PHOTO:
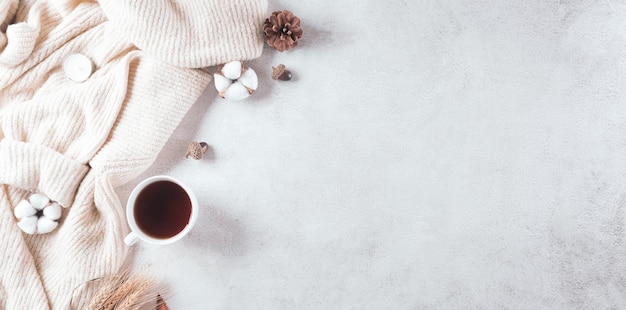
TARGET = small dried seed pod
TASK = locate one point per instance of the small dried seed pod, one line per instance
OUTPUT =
(196, 150)
(280, 73)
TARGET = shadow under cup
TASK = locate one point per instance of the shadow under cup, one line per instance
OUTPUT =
(160, 210)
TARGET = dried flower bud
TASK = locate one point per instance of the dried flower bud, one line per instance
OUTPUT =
(280, 73)
(196, 150)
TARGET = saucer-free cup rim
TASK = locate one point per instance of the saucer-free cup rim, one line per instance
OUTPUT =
(130, 214)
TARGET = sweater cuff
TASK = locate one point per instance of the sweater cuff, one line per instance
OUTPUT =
(40, 169)
(191, 33)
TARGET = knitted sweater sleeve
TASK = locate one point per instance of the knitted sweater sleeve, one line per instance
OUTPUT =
(192, 33)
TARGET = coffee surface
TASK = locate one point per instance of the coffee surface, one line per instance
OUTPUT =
(162, 209)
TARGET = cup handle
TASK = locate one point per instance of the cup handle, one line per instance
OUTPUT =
(131, 239)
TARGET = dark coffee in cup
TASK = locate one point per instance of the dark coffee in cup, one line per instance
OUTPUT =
(162, 209)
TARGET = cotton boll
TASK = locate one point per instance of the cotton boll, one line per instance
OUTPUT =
(53, 211)
(232, 70)
(38, 215)
(39, 201)
(234, 81)
(237, 91)
(249, 79)
(221, 82)
(28, 224)
(45, 225)
(24, 209)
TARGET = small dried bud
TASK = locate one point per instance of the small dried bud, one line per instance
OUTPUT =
(280, 73)
(196, 150)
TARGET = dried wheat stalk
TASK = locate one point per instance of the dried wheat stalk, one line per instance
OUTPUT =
(139, 294)
(125, 291)
(110, 285)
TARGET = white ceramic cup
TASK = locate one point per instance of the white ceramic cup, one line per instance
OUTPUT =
(137, 233)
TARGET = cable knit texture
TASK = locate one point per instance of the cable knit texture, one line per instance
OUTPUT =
(76, 142)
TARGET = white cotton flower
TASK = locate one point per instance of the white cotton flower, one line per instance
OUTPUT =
(232, 70)
(45, 225)
(39, 201)
(249, 79)
(24, 209)
(28, 224)
(37, 215)
(52, 211)
(221, 82)
(236, 92)
(235, 82)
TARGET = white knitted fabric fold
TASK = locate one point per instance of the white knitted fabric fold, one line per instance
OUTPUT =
(205, 31)
(76, 142)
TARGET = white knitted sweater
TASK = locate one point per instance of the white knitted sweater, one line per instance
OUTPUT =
(76, 142)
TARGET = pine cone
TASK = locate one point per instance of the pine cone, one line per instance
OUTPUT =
(282, 30)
